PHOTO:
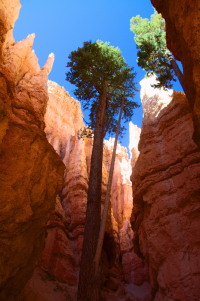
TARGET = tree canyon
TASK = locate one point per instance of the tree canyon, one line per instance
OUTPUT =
(151, 247)
(61, 257)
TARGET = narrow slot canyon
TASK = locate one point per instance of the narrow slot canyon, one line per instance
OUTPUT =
(151, 248)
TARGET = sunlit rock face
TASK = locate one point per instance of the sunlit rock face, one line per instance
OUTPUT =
(182, 31)
(63, 118)
(134, 137)
(166, 186)
(62, 254)
(121, 198)
(153, 100)
(31, 171)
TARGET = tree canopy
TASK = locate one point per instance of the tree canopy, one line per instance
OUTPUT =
(90, 67)
(153, 54)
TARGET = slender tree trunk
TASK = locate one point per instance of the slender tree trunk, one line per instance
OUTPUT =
(89, 286)
(179, 75)
(107, 198)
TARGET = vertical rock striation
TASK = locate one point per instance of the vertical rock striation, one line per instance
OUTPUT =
(31, 171)
(166, 194)
(62, 254)
(63, 120)
(133, 268)
(183, 29)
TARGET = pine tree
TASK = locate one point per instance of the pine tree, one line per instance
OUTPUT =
(153, 54)
(100, 74)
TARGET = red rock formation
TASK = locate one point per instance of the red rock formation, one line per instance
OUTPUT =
(183, 29)
(31, 171)
(57, 257)
(63, 121)
(62, 254)
(133, 268)
(166, 187)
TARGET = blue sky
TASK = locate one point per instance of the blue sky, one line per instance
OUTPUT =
(62, 26)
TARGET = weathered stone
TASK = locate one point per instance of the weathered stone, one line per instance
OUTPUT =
(182, 32)
(63, 121)
(128, 299)
(57, 257)
(32, 174)
(166, 200)
(121, 200)
(44, 287)
(113, 272)
(121, 292)
(31, 171)
(112, 284)
(134, 137)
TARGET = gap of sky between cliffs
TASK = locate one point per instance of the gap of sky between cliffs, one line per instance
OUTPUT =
(62, 26)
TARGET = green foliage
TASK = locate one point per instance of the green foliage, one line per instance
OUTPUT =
(153, 55)
(90, 68)
(85, 132)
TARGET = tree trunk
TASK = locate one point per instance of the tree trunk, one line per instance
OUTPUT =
(89, 287)
(179, 75)
(107, 198)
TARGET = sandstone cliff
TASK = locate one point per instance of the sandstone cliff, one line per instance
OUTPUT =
(183, 29)
(165, 179)
(133, 268)
(31, 171)
(166, 187)
(62, 254)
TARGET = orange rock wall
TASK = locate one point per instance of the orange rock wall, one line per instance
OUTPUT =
(31, 171)
(183, 30)
(63, 121)
(166, 195)
(62, 253)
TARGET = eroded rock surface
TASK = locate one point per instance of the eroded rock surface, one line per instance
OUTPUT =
(31, 171)
(166, 194)
(183, 29)
(133, 268)
(134, 138)
(62, 254)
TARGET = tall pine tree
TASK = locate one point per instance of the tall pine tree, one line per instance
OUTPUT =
(100, 74)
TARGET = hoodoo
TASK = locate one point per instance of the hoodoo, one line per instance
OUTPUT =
(30, 170)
